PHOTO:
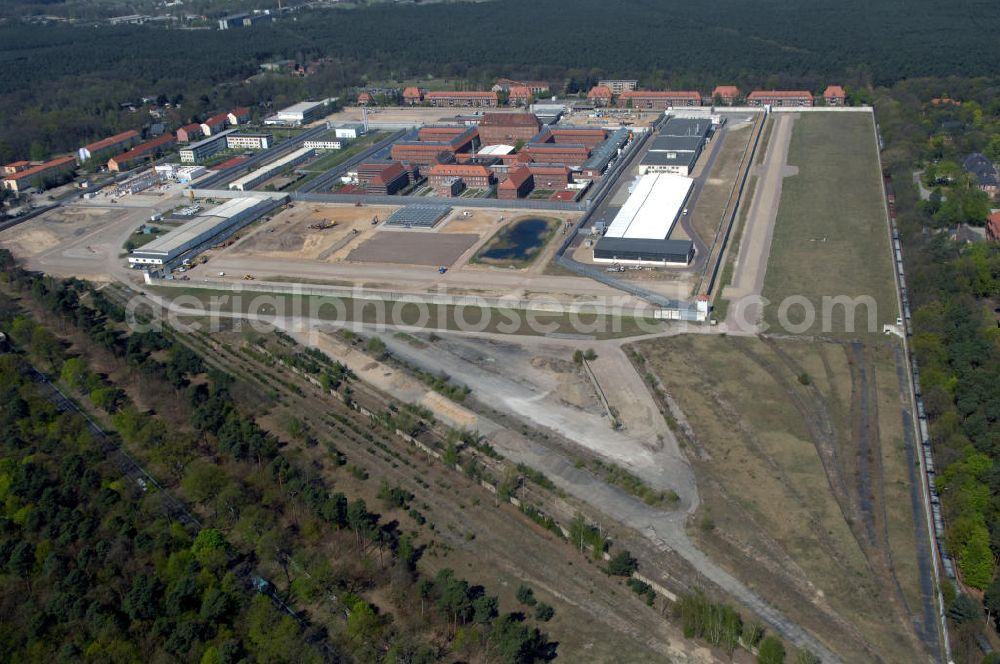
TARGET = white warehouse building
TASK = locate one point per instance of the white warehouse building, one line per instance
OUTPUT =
(217, 223)
(268, 171)
(638, 234)
(299, 114)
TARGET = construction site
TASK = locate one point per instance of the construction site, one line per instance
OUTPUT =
(638, 384)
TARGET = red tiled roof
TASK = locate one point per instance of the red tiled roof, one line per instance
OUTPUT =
(779, 93)
(509, 120)
(516, 179)
(240, 111)
(937, 101)
(143, 148)
(112, 140)
(364, 96)
(216, 120)
(834, 91)
(41, 168)
(230, 163)
(194, 126)
(726, 91)
(519, 91)
(411, 92)
(17, 164)
(602, 91)
(660, 94)
(389, 173)
(473, 94)
(460, 170)
(993, 226)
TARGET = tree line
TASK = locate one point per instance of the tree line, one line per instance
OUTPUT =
(954, 290)
(262, 507)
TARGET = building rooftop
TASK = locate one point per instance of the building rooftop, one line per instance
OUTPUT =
(676, 143)
(498, 150)
(779, 93)
(726, 91)
(210, 139)
(166, 244)
(462, 93)
(687, 127)
(111, 140)
(834, 91)
(516, 178)
(681, 158)
(460, 170)
(599, 91)
(982, 168)
(272, 166)
(35, 170)
(301, 107)
(652, 248)
(603, 153)
(660, 94)
(509, 120)
(652, 208)
(217, 119)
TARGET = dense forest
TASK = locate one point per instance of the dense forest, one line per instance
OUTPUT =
(64, 84)
(93, 568)
(955, 290)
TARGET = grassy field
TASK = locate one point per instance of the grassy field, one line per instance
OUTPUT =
(830, 238)
(784, 479)
(429, 316)
(335, 157)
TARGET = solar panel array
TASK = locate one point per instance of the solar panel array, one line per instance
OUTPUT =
(418, 216)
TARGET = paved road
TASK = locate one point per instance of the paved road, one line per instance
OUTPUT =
(755, 243)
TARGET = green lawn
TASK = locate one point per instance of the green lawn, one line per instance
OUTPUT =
(831, 238)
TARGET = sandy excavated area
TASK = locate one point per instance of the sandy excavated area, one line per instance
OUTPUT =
(288, 235)
(52, 228)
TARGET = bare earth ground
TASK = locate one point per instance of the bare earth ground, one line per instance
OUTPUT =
(412, 248)
(288, 234)
(804, 481)
(712, 202)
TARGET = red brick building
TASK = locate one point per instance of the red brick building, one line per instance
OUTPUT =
(550, 176)
(472, 175)
(519, 95)
(188, 133)
(412, 96)
(518, 184)
(727, 94)
(139, 153)
(476, 99)
(440, 150)
(556, 153)
(834, 95)
(780, 98)
(383, 178)
(508, 84)
(600, 96)
(508, 128)
(658, 100)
